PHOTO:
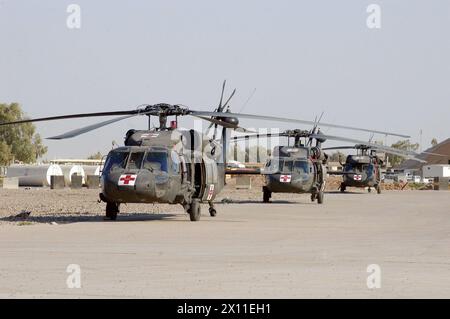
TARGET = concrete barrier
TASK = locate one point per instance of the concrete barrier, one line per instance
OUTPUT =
(9, 182)
(243, 182)
(441, 183)
(57, 182)
(92, 181)
(76, 182)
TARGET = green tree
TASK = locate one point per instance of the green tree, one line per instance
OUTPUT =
(337, 157)
(5, 153)
(96, 156)
(434, 142)
(19, 142)
(404, 145)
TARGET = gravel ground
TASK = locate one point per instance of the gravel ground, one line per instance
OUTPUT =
(62, 206)
(66, 205)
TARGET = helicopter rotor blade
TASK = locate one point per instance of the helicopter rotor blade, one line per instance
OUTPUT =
(287, 120)
(409, 155)
(219, 107)
(225, 124)
(267, 135)
(229, 99)
(338, 148)
(387, 149)
(74, 116)
(88, 128)
(221, 96)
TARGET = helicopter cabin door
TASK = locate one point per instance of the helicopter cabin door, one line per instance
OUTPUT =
(211, 181)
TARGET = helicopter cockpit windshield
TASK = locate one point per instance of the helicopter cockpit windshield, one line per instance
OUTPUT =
(302, 166)
(116, 160)
(156, 161)
(289, 166)
(135, 160)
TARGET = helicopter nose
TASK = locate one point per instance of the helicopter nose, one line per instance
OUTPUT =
(146, 186)
(161, 184)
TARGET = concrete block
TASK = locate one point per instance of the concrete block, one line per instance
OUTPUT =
(9, 182)
(441, 183)
(76, 182)
(93, 181)
(57, 182)
(243, 182)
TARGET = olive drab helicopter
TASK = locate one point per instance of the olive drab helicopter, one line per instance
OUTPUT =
(167, 164)
(363, 169)
(300, 168)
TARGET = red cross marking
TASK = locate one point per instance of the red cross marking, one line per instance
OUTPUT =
(127, 179)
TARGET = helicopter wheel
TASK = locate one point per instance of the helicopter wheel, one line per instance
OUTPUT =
(369, 189)
(378, 189)
(342, 188)
(320, 197)
(212, 211)
(266, 195)
(194, 210)
(112, 209)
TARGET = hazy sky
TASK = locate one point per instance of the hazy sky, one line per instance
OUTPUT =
(303, 57)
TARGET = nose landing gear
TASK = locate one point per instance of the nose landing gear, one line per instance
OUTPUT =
(212, 210)
(112, 209)
(194, 210)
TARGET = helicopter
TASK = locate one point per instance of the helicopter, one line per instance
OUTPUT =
(301, 168)
(166, 164)
(363, 169)
(360, 170)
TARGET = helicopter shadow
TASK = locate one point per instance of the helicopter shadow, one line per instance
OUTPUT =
(344, 193)
(121, 218)
(249, 201)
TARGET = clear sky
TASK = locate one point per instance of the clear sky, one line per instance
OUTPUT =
(303, 57)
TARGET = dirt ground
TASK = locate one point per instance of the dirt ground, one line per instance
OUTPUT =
(291, 248)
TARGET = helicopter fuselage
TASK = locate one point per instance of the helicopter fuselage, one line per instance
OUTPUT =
(168, 166)
(293, 170)
(361, 171)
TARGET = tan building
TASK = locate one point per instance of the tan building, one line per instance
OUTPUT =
(442, 148)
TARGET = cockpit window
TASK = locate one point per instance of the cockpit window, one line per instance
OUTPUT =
(287, 166)
(301, 166)
(135, 161)
(116, 160)
(156, 161)
(175, 162)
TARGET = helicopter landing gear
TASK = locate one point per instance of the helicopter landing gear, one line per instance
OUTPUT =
(266, 195)
(212, 210)
(369, 190)
(320, 197)
(112, 209)
(378, 188)
(342, 187)
(317, 195)
(194, 210)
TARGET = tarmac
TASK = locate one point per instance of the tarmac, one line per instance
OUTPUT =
(291, 248)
